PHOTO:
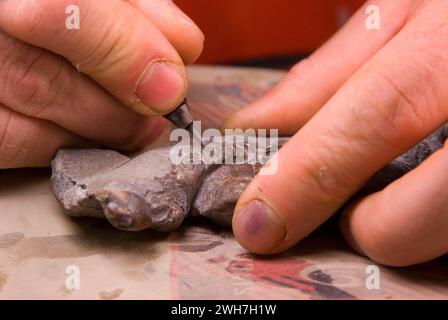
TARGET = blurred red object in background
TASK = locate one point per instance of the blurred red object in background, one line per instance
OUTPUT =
(245, 30)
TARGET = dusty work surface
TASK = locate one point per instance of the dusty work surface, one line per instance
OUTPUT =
(39, 243)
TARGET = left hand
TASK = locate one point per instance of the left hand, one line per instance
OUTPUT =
(359, 101)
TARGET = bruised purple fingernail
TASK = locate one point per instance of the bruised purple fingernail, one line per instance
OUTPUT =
(258, 228)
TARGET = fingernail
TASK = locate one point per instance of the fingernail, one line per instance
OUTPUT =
(258, 228)
(161, 87)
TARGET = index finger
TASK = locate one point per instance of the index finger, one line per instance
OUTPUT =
(391, 103)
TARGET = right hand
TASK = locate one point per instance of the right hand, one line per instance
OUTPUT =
(95, 85)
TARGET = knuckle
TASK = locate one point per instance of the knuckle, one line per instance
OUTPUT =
(301, 67)
(308, 68)
(30, 16)
(183, 33)
(303, 70)
(194, 46)
(109, 50)
(410, 105)
(35, 90)
(32, 92)
(397, 106)
(299, 75)
(18, 138)
(306, 71)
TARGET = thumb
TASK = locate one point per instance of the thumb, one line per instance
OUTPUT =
(115, 45)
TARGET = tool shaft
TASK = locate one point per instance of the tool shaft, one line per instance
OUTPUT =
(181, 116)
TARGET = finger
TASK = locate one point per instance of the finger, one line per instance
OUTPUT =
(43, 85)
(394, 101)
(29, 142)
(407, 222)
(311, 83)
(116, 45)
(180, 30)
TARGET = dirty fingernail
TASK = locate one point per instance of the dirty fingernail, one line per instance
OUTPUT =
(258, 228)
(161, 87)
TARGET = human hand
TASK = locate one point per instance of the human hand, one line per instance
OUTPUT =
(358, 102)
(130, 54)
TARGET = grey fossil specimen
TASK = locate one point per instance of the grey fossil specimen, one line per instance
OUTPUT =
(149, 191)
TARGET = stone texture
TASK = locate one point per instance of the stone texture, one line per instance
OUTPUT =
(149, 191)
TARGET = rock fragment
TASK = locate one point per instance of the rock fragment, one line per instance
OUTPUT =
(150, 191)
